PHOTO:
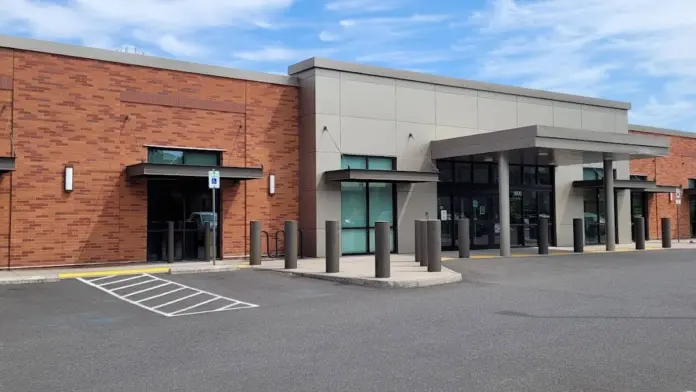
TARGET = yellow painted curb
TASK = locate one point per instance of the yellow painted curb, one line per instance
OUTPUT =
(135, 271)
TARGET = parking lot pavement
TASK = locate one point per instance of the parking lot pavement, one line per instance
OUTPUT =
(596, 323)
(164, 297)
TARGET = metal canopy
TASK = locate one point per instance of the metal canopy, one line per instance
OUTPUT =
(637, 185)
(562, 146)
(7, 164)
(166, 170)
(393, 176)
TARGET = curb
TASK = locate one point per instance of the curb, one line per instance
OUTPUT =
(134, 271)
(28, 280)
(453, 277)
(203, 270)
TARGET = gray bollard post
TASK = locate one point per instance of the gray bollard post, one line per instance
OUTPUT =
(423, 242)
(290, 234)
(463, 238)
(333, 247)
(666, 233)
(382, 250)
(543, 236)
(434, 245)
(255, 243)
(578, 235)
(208, 241)
(639, 232)
(170, 242)
(417, 231)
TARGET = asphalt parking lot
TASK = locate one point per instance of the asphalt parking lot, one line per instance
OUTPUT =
(619, 322)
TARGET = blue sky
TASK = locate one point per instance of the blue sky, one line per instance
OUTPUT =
(631, 50)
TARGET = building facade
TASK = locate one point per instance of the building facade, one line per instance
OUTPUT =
(677, 170)
(103, 151)
(139, 135)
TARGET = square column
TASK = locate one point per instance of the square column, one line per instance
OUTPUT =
(504, 199)
(609, 216)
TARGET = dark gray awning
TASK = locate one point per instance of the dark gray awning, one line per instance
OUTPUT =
(565, 146)
(635, 185)
(7, 164)
(167, 170)
(396, 176)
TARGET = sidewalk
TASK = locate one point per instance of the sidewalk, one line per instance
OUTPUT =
(20, 276)
(360, 270)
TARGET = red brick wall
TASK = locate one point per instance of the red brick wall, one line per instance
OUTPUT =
(69, 111)
(675, 169)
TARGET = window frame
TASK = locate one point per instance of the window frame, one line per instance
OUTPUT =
(368, 228)
(184, 152)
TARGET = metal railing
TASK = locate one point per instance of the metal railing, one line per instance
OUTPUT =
(275, 252)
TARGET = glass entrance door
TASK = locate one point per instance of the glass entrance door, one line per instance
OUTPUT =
(485, 222)
(639, 204)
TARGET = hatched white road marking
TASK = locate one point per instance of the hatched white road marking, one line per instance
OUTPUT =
(177, 299)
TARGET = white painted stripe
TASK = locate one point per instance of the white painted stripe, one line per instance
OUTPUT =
(102, 278)
(177, 300)
(147, 289)
(163, 294)
(159, 282)
(196, 305)
(247, 306)
(132, 285)
(122, 298)
(123, 280)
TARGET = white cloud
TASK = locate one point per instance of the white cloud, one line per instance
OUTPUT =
(328, 36)
(398, 58)
(596, 47)
(164, 21)
(279, 54)
(360, 5)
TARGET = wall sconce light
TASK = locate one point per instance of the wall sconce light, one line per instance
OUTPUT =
(271, 184)
(68, 179)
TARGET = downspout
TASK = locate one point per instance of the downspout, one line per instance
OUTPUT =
(12, 154)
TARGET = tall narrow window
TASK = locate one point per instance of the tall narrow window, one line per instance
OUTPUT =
(363, 204)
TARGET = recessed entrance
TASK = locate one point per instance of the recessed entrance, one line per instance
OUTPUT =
(188, 203)
(468, 189)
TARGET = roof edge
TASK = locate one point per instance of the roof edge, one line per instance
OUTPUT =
(112, 56)
(661, 131)
(343, 66)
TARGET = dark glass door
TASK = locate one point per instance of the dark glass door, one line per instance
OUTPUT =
(485, 222)
(639, 209)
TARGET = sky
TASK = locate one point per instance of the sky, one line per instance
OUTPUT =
(640, 51)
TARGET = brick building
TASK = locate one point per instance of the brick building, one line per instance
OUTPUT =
(678, 169)
(101, 152)
(139, 135)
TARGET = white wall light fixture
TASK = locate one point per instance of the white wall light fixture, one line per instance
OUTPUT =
(271, 184)
(68, 179)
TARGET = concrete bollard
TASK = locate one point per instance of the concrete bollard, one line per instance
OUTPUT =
(434, 245)
(424, 242)
(333, 247)
(639, 232)
(417, 231)
(255, 243)
(208, 241)
(290, 240)
(578, 235)
(170, 242)
(543, 236)
(382, 250)
(666, 233)
(463, 238)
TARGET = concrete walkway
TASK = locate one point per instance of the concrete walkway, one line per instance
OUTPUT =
(360, 270)
(35, 275)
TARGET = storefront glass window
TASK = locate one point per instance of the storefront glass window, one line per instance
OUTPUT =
(183, 157)
(363, 204)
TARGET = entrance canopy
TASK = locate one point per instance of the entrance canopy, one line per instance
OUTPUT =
(634, 185)
(561, 146)
(393, 176)
(7, 164)
(144, 170)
